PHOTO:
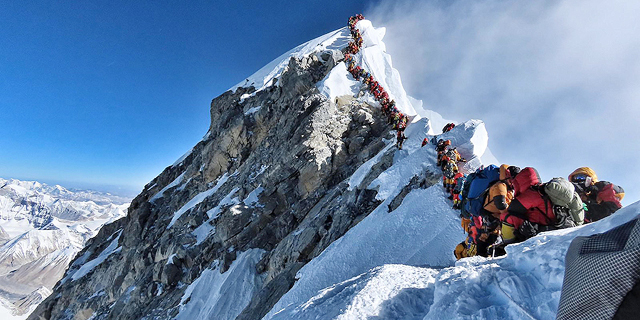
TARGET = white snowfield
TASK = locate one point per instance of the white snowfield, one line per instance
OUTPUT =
(524, 284)
(42, 228)
(376, 294)
(400, 264)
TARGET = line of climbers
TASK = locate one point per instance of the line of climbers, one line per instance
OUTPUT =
(396, 118)
(499, 205)
(504, 205)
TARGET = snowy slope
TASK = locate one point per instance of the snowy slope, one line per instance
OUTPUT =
(411, 247)
(34, 244)
(43, 228)
(386, 292)
(421, 232)
(525, 284)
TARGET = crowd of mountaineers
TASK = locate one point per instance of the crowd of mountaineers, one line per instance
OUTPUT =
(498, 205)
(396, 118)
(503, 205)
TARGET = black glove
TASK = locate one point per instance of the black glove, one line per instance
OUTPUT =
(489, 221)
(527, 230)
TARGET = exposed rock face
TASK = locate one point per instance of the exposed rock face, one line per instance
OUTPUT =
(270, 174)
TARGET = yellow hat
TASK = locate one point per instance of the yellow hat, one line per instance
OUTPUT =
(584, 171)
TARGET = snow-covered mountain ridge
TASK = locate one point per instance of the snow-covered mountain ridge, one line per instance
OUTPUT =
(42, 228)
(297, 205)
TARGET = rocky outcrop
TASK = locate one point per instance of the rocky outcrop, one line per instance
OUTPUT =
(270, 174)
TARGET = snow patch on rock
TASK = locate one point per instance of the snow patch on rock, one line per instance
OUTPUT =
(339, 82)
(216, 295)
(89, 265)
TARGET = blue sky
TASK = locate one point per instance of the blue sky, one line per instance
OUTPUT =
(110, 93)
(106, 94)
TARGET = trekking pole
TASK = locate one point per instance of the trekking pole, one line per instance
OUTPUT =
(495, 244)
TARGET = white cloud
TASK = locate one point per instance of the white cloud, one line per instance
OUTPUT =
(557, 82)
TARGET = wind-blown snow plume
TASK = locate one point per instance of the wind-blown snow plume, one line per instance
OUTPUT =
(555, 81)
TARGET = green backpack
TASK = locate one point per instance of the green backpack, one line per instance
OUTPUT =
(562, 193)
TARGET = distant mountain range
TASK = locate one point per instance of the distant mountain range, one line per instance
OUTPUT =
(42, 228)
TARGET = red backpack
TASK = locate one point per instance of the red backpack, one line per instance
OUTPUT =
(525, 179)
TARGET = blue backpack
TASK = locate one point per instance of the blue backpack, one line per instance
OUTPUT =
(459, 184)
(482, 180)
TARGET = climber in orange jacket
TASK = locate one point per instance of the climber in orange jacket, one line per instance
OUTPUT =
(458, 181)
(449, 171)
(501, 192)
(441, 148)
